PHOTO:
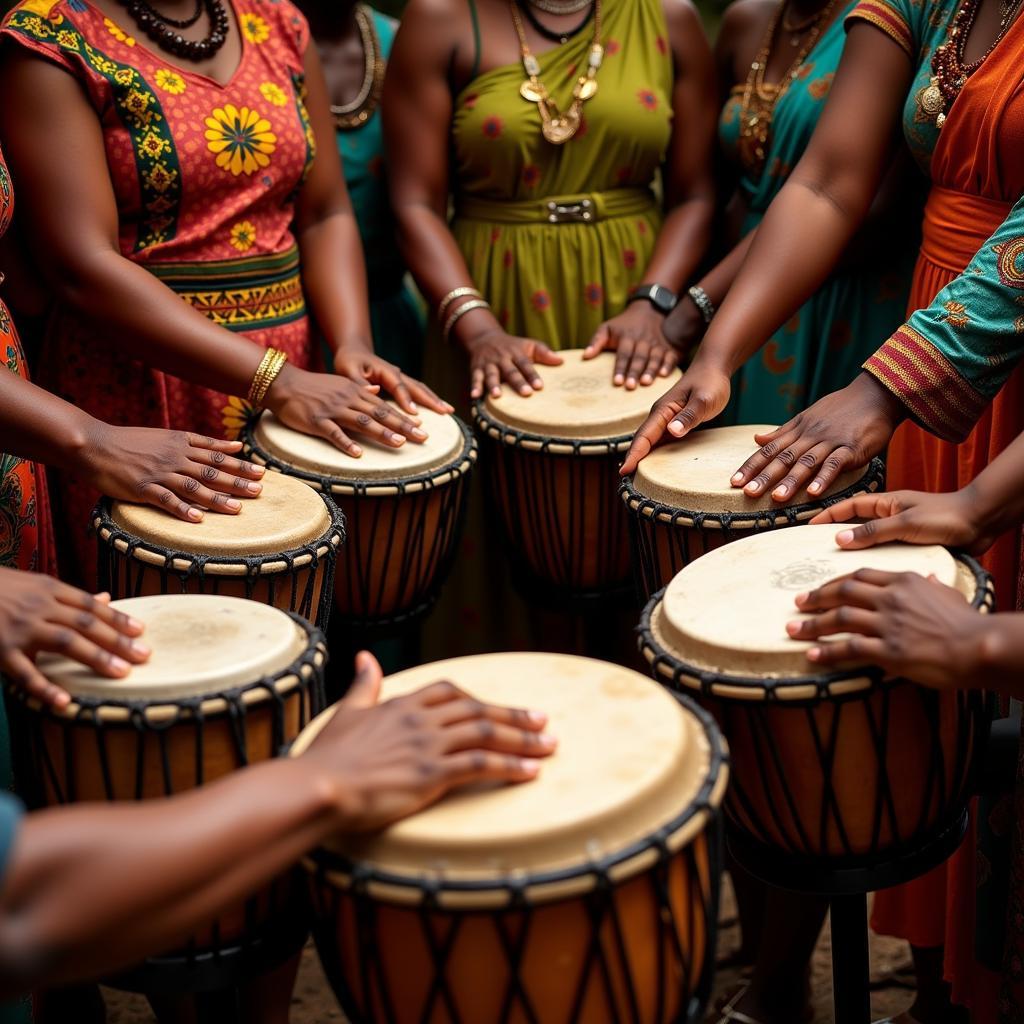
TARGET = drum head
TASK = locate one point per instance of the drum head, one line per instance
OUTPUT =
(694, 474)
(727, 611)
(202, 644)
(630, 760)
(444, 445)
(286, 515)
(578, 401)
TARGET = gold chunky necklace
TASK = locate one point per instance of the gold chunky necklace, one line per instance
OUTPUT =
(355, 114)
(559, 127)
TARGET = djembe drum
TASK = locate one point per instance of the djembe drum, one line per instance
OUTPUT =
(844, 781)
(553, 469)
(589, 895)
(230, 683)
(682, 505)
(279, 550)
(404, 509)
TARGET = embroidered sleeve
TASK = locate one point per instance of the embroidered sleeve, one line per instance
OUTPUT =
(889, 16)
(949, 360)
(39, 27)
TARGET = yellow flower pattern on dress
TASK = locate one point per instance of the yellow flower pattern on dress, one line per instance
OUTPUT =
(956, 315)
(119, 34)
(235, 415)
(255, 29)
(170, 81)
(243, 235)
(67, 39)
(242, 140)
(273, 93)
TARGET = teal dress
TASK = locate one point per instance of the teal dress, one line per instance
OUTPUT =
(821, 349)
(396, 312)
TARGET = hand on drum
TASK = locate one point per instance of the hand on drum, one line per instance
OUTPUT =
(396, 758)
(641, 352)
(496, 357)
(333, 407)
(39, 613)
(915, 517)
(839, 432)
(701, 394)
(182, 473)
(912, 627)
(365, 367)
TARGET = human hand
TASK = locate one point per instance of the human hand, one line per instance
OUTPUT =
(327, 405)
(916, 517)
(684, 328)
(912, 627)
(839, 432)
(182, 473)
(366, 367)
(39, 613)
(495, 356)
(391, 760)
(641, 351)
(700, 395)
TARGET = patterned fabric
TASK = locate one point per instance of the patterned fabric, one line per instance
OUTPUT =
(205, 177)
(558, 282)
(821, 348)
(396, 313)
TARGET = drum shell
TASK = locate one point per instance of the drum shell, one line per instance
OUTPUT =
(552, 975)
(661, 550)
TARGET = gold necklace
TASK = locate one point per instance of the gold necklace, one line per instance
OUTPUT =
(760, 98)
(355, 114)
(559, 127)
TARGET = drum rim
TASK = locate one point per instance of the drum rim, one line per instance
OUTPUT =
(550, 885)
(440, 476)
(188, 563)
(676, 516)
(547, 445)
(161, 711)
(795, 691)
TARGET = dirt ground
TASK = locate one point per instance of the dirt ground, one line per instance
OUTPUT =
(314, 1002)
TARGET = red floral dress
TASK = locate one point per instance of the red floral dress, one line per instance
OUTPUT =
(205, 178)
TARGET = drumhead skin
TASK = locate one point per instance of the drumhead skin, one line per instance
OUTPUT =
(287, 515)
(578, 401)
(630, 760)
(693, 474)
(202, 644)
(444, 445)
(727, 611)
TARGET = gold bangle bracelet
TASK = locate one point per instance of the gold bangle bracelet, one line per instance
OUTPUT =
(455, 293)
(466, 307)
(270, 366)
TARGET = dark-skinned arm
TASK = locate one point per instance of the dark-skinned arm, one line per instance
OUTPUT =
(636, 334)
(77, 244)
(93, 888)
(417, 110)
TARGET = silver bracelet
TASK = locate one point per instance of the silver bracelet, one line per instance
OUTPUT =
(702, 302)
(466, 307)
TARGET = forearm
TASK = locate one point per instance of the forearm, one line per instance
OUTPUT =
(1001, 659)
(94, 888)
(40, 427)
(681, 244)
(717, 281)
(996, 495)
(334, 278)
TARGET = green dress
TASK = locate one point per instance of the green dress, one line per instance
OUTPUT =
(396, 312)
(820, 349)
(559, 282)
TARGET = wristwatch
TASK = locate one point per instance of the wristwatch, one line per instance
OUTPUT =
(661, 298)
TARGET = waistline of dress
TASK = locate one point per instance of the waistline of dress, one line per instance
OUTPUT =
(579, 208)
(957, 225)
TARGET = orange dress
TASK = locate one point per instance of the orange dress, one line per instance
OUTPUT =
(949, 364)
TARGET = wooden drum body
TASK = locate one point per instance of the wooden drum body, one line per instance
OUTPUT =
(681, 504)
(589, 896)
(404, 509)
(230, 683)
(837, 770)
(279, 550)
(553, 463)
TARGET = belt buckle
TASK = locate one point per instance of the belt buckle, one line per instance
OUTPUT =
(571, 213)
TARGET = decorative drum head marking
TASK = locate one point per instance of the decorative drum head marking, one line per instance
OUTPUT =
(801, 576)
(201, 643)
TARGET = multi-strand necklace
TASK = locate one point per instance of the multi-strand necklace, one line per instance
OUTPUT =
(558, 126)
(949, 70)
(760, 98)
(166, 32)
(352, 115)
